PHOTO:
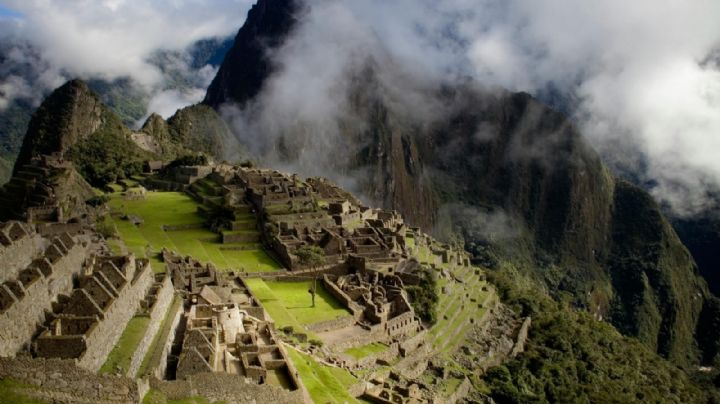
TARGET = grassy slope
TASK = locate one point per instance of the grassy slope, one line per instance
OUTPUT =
(173, 208)
(295, 298)
(324, 383)
(288, 303)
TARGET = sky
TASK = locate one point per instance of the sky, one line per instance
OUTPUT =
(640, 78)
(8, 12)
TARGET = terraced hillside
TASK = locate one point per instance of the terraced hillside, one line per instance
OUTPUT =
(173, 220)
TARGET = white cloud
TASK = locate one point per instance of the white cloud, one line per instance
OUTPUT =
(634, 67)
(114, 38)
(167, 102)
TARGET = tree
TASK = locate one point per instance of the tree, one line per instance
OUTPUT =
(312, 256)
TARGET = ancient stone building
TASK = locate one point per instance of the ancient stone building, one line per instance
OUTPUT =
(188, 273)
(222, 337)
(97, 312)
(378, 302)
(26, 296)
(18, 246)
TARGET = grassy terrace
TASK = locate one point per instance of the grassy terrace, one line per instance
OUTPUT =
(366, 350)
(160, 209)
(12, 392)
(289, 303)
(326, 384)
(448, 333)
(120, 356)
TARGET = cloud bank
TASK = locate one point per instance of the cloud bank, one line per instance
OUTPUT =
(110, 39)
(640, 79)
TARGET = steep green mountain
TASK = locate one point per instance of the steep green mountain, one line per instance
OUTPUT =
(73, 124)
(568, 222)
(123, 96)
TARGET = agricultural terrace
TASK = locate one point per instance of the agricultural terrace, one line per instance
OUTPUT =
(466, 301)
(141, 224)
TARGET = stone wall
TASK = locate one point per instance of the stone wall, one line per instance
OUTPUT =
(343, 298)
(228, 238)
(58, 380)
(157, 366)
(404, 324)
(162, 185)
(413, 343)
(226, 387)
(460, 392)
(26, 299)
(54, 229)
(329, 325)
(521, 337)
(17, 250)
(378, 335)
(415, 364)
(387, 355)
(156, 313)
(107, 332)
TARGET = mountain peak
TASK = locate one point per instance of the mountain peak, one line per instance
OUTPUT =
(247, 64)
(71, 113)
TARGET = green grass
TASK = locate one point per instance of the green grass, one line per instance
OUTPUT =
(274, 306)
(366, 350)
(325, 384)
(451, 385)
(174, 208)
(410, 241)
(11, 393)
(294, 297)
(121, 355)
(442, 335)
(156, 347)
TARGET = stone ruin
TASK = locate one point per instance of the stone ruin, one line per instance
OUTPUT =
(338, 225)
(378, 302)
(187, 273)
(225, 328)
(221, 337)
(37, 271)
(44, 190)
(395, 390)
(18, 245)
(94, 316)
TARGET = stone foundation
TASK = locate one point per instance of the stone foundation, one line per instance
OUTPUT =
(226, 387)
(24, 301)
(58, 380)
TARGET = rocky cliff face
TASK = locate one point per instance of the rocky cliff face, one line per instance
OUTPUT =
(575, 227)
(247, 64)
